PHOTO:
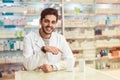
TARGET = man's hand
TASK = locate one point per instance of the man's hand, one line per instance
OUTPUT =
(53, 50)
(46, 68)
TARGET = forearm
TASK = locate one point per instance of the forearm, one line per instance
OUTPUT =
(33, 61)
(30, 63)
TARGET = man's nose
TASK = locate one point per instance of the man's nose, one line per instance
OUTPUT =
(50, 24)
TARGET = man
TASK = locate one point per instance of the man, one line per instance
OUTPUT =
(45, 49)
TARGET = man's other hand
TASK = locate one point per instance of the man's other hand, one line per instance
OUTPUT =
(46, 68)
(52, 49)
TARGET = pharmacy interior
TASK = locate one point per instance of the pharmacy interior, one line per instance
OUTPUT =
(91, 27)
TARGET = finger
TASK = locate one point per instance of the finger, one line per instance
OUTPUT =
(24, 69)
(48, 68)
(43, 68)
(40, 67)
(54, 51)
(60, 51)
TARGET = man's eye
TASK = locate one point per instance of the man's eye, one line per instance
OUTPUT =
(46, 21)
(53, 22)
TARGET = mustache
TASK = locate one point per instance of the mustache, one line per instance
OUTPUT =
(49, 27)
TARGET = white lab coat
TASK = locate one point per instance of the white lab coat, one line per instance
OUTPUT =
(34, 57)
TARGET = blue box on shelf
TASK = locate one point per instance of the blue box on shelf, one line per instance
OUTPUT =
(8, 1)
(7, 13)
(9, 26)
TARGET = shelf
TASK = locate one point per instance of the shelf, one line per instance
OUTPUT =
(106, 58)
(11, 52)
(79, 2)
(31, 14)
(112, 14)
(74, 38)
(36, 26)
(31, 26)
(24, 13)
(7, 37)
(20, 26)
(107, 47)
(102, 58)
(40, 2)
(107, 3)
(12, 26)
(83, 49)
(11, 64)
(80, 26)
(79, 14)
(116, 36)
(106, 25)
(88, 59)
(107, 36)
(35, 2)
(11, 38)
(77, 49)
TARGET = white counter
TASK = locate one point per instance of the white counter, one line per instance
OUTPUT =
(89, 74)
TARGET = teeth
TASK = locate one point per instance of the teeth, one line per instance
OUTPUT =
(49, 29)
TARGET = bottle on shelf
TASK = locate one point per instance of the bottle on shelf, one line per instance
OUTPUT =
(107, 21)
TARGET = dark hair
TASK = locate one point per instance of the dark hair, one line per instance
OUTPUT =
(49, 11)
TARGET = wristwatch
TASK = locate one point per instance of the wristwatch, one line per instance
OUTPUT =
(54, 67)
(43, 49)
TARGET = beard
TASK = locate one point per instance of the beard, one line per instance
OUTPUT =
(46, 30)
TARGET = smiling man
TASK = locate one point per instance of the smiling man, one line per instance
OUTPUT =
(45, 49)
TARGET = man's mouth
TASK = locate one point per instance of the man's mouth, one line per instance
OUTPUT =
(49, 28)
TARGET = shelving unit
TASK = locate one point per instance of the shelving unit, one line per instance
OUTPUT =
(100, 16)
(107, 34)
(18, 17)
(79, 28)
(88, 25)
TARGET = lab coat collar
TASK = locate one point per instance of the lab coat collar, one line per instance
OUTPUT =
(38, 39)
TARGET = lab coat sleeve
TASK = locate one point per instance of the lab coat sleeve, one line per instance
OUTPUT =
(27, 47)
(67, 55)
(31, 59)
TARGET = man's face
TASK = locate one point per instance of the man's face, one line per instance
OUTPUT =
(48, 24)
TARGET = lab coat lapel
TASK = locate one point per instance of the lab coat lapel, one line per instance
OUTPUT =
(52, 40)
(38, 40)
